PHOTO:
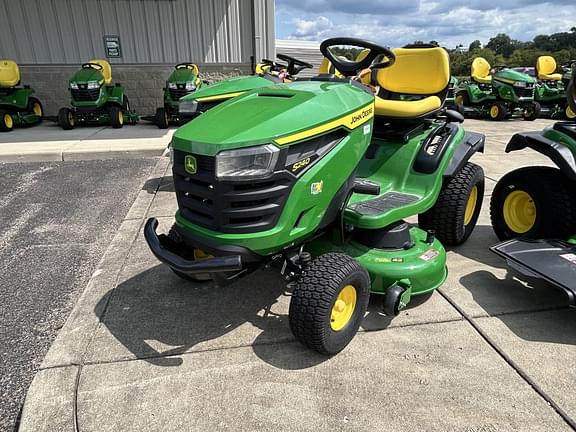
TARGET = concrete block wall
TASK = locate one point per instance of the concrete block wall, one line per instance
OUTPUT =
(143, 83)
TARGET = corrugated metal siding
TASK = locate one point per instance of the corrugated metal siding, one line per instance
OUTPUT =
(302, 50)
(151, 31)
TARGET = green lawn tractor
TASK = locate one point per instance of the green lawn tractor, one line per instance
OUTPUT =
(316, 177)
(95, 100)
(498, 95)
(17, 105)
(266, 74)
(550, 91)
(533, 209)
(184, 79)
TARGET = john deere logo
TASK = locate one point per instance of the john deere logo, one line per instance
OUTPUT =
(190, 164)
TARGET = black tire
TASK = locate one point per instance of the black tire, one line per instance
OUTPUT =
(552, 196)
(497, 111)
(449, 217)
(531, 111)
(314, 298)
(35, 107)
(116, 117)
(66, 118)
(393, 299)
(462, 99)
(6, 121)
(161, 118)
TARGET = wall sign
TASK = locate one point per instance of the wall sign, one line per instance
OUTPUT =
(112, 46)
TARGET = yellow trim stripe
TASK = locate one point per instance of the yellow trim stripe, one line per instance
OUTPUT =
(349, 121)
(219, 97)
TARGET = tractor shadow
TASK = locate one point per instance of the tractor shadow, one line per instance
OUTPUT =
(158, 317)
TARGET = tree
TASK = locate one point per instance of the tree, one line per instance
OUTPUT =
(502, 44)
(476, 45)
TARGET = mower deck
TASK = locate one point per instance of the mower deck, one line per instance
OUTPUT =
(551, 260)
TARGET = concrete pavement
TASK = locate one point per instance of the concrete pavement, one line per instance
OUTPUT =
(145, 351)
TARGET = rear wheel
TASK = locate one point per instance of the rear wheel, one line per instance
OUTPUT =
(116, 117)
(329, 302)
(533, 202)
(66, 118)
(161, 118)
(35, 107)
(531, 111)
(456, 211)
(497, 111)
(6, 121)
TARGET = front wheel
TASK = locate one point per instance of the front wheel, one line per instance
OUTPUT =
(116, 117)
(498, 111)
(35, 107)
(161, 118)
(457, 208)
(531, 111)
(329, 302)
(533, 202)
(66, 118)
(6, 121)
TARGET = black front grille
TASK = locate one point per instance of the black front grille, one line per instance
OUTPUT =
(228, 207)
(524, 92)
(176, 94)
(85, 95)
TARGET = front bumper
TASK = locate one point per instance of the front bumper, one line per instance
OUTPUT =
(164, 249)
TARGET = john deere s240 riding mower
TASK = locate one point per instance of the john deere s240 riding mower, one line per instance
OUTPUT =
(17, 105)
(316, 177)
(266, 74)
(184, 79)
(95, 99)
(533, 209)
(550, 91)
(497, 95)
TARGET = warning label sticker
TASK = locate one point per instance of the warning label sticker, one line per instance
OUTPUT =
(430, 254)
(569, 257)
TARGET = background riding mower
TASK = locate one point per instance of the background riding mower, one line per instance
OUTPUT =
(184, 79)
(316, 176)
(17, 105)
(266, 74)
(95, 99)
(550, 92)
(499, 95)
(534, 208)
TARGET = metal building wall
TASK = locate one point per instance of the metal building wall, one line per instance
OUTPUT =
(151, 31)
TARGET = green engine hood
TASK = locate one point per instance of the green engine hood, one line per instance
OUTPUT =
(231, 86)
(284, 114)
(510, 76)
(181, 76)
(87, 74)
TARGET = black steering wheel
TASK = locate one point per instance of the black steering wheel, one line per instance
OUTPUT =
(295, 66)
(183, 65)
(92, 66)
(352, 68)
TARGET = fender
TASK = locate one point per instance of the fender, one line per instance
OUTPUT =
(558, 153)
(473, 142)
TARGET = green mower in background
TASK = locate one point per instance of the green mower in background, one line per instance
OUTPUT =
(17, 105)
(267, 73)
(316, 177)
(550, 90)
(498, 95)
(184, 79)
(95, 99)
(533, 209)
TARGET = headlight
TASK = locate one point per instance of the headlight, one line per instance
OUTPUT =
(172, 86)
(187, 106)
(190, 86)
(246, 163)
(520, 84)
(73, 86)
(93, 85)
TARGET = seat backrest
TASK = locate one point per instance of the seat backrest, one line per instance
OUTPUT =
(262, 68)
(194, 68)
(480, 69)
(416, 71)
(106, 70)
(326, 67)
(545, 65)
(9, 73)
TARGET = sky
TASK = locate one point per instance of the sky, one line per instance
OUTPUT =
(398, 22)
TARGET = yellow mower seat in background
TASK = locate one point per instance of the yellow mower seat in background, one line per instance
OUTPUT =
(262, 68)
(416, 72)
(326, 67)
(9, 74)
(545, 68)
(193, 68)
(106, 70)
(480, 71)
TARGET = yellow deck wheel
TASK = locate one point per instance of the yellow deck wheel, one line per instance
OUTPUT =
(8, 121)
(519, 211)
(471, 205)
(343, 308)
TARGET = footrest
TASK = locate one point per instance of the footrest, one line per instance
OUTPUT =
(383, 204)
(551, 260)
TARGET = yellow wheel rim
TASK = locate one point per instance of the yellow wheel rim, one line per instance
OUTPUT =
(8, 121)
(569, 113)
(494, 110)
(71, 119)
(343, 308)
(121, 117)
(459, 100)
(471, 205)
(37, 109)
(519, 212)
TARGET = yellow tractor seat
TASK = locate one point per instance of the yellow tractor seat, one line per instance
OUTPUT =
(193, 68)
(9, 74)
(326, 67)
(262, 68)
(480, 71)
(106, 70)
(420, 72)
(545, 68)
